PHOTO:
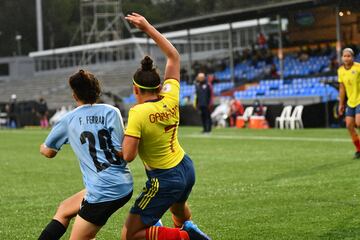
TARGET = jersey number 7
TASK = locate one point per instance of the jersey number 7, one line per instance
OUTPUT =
(171, 128)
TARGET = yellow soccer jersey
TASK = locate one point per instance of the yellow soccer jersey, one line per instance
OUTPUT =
(351, 80)
(156, 124)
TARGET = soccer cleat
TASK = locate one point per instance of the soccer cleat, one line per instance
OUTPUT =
(158, 223)
(357, 155)
(194, 232)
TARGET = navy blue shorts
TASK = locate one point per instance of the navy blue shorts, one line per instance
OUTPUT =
(351, 112)
(164, 187)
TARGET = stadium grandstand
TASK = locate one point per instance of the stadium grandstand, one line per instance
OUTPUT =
(274, 57)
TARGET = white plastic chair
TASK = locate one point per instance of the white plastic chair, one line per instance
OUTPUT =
(247, 113)
(58, 115)
(284, 118)
(295, 119)
(220, 114)
(3, 119)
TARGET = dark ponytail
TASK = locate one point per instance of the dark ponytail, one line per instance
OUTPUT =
(147, 76)
(85, 86)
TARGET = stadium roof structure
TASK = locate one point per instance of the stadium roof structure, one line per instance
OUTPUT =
(269, 9)
(87, 47)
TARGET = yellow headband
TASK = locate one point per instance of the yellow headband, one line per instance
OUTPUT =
(143, 87)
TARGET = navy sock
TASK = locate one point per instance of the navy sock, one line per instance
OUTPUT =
(53, 231)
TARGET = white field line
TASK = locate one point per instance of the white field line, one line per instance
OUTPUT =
(17, 131)
(303, 139)
(215, 137)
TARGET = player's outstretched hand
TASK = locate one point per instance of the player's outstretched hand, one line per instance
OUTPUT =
(138, 21)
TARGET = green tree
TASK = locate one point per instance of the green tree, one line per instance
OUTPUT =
(61, 18)
(17, 17)
(61, 21)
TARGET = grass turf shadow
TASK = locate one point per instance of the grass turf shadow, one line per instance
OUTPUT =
(308, 172)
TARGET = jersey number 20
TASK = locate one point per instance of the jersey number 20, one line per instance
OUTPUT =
(105, 145)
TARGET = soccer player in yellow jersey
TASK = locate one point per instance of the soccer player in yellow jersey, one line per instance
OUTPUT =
(152, 132)
(349, 79)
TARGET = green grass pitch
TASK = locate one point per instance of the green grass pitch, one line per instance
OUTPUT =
(251, 184)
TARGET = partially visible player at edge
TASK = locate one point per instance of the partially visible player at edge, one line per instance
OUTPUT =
(349, 79)
(152, 132)
(95, 133)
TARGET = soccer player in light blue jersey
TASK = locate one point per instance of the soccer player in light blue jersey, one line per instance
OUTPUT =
(95, 133)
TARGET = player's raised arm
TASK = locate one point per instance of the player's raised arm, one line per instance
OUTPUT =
(172, 69)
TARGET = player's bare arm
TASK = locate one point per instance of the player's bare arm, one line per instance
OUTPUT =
(172, 69)
(47, 152)
(341, 99)
(130, 148)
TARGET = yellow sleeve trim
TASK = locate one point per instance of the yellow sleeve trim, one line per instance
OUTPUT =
(138, 137)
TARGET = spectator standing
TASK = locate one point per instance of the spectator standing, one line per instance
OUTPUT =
(11, 112)
(261, 40)
(203, 101)
(42, 113)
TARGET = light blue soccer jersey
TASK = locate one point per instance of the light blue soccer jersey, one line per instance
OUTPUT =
(95, 133)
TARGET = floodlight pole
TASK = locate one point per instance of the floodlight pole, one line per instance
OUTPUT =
(148, 45)
(18, 38)
(231, 53)
(326, 105)
(39, 26)
(338, 34)
(280, 49)
(189, 50)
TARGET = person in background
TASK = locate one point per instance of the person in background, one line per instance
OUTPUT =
(261, 40)
(236, 109)
(11, 110)
(258, 108)
(203, 101)
(42, 112)
(273, 72)
(349, 79)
